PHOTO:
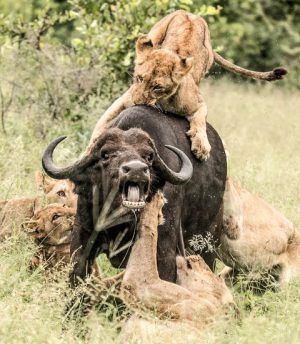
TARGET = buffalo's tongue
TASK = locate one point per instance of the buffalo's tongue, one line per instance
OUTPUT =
(133, 193)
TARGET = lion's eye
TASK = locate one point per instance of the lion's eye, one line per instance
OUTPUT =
(139, 78)
(158, 89)
(55, 217)
(61, 194)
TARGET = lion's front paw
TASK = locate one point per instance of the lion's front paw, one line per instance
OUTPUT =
(160, 200)
(157, 201)
(200, 146)
(227, 275)
(154, 208)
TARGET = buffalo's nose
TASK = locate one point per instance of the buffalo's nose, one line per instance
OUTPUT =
(134, 167)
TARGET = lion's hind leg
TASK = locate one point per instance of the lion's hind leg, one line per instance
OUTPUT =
(290, 269)
(194, 274)
(233, 218)
(228, 275)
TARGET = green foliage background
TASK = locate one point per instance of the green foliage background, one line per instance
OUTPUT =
(62, 62)
(257, 34)
(62, 59)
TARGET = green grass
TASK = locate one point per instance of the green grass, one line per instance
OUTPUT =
(260, 126)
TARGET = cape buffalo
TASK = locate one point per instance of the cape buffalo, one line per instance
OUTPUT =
(126, 167)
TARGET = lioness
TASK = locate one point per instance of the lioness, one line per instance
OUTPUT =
(257, 237)
(14, 212)
(170, 62)
(196, 299)
(194, 275)
(56, 191)
(51, 228)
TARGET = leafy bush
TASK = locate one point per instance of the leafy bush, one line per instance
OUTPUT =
(255, 34)
(64, 59)
(47, 85)
(259, 34)
(111, 28)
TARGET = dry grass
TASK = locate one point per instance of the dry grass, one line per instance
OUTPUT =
(260, 126)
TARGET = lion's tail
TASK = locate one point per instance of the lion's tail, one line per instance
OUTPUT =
(275, 74)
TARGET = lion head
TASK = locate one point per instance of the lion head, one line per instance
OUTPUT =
(51, 229)
(158, 72)
(52, 225)
(56, 191)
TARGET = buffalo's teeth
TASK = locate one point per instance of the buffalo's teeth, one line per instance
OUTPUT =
(133, 205)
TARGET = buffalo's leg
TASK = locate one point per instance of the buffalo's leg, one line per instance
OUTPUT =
(78, 242)
(208, 239)
(79, 304)
(81, 265)
(169, 235)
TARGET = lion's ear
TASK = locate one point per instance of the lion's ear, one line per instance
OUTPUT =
(29, 230)
(39, 180)
(186, 63)
(143, 46)
(181, 263)
(42, 181)
(30, 227)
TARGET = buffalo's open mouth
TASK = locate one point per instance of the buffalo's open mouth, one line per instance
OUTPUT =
(134, 195)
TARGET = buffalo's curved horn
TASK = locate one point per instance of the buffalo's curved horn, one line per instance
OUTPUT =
(62, 172)
(185, 173)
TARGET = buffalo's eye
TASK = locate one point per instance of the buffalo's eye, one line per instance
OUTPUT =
(55, 217)
(139, 78)
(61, 193)
(149, 157)
(104, 156)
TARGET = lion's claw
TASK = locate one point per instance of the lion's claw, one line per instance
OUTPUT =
(200, 147)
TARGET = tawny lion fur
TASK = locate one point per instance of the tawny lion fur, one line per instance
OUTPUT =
(171, 60)
(257, 237)
(51, 229)
(14, 212)
(56, 191)
(197, 298)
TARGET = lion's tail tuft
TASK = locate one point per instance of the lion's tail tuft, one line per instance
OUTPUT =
(279, 73)
(276, 74)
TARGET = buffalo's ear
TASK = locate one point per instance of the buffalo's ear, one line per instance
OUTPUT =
(143, 47)
(186, 63)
